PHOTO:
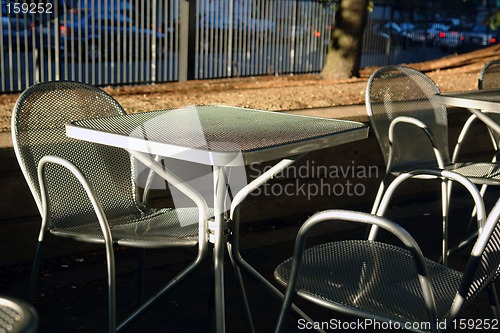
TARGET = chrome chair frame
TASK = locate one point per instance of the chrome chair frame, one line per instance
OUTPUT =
(428, 123)
(489, 78)
(481, 271)
(110, 223)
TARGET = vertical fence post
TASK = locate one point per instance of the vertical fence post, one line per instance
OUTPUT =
(154, 30)
(57, 40)
(230, 40)
(184, 41)
(187, 40)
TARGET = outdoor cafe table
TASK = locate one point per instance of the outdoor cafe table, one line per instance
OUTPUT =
(221, 137)
(475, 101)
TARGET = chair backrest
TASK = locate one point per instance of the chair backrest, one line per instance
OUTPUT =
(38, 129)
(483, 266)
(395, 91)
(489, 77)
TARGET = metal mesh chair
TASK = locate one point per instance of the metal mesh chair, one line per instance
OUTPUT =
(17, 316)
(489, 79)
(412, 132)
(88, 191)
(387, 282)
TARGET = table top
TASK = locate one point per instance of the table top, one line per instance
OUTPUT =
(218, 135)
(488, 100)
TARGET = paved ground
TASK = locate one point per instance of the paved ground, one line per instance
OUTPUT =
(72, 290)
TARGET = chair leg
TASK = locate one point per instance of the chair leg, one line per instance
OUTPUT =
(372, 232)
(241, 287)
(285, 309)
(34, 270)
(110, 259)
(445, 206)
(378, 197)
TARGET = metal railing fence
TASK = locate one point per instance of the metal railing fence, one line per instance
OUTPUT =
(115, 42)
(118, 42)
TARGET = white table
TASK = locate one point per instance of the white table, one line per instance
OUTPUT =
(476, 101)
(222, 137)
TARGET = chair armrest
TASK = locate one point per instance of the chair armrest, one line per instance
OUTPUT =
(101, 216)
(371, 220)
(425, 129)
(182, 186)
(464, 131)
(445, 174)
(461, 136)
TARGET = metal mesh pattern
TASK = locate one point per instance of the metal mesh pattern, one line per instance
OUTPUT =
(371, 278)
(396, 91)
(9, 319)
(17, 316)
(223, 129)
(39, 119)
(479, 173)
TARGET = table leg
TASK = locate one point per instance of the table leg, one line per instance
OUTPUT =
(234, 216)
(487, 120)
(203, 246)
(217, 230)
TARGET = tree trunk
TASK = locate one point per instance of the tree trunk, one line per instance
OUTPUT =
(344, 51)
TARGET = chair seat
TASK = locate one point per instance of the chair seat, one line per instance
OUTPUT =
(158, 228)
(478, 173)
(371, 280)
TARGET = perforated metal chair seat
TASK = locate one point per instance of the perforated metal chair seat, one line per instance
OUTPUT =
(478, 173)
(156, 228)
(17, 316)
(371, 279)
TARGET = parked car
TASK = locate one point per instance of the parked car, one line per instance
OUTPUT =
(87, 33)
(420, 35)
(397, 34)
(478, 37)
(448, 38)
(427, 33)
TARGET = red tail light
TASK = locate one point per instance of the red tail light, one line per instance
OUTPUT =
(493, 40)
(65, 31)
(442, 34)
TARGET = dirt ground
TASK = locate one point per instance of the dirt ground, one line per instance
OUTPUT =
(286, 92)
